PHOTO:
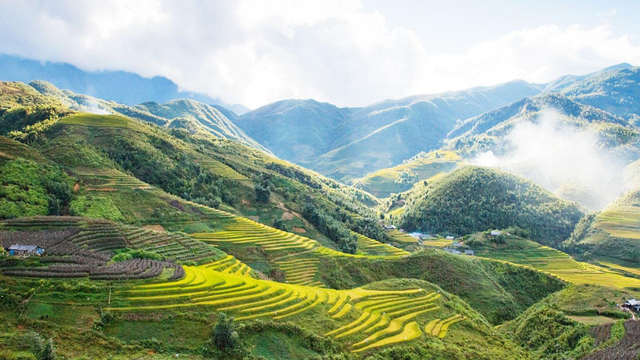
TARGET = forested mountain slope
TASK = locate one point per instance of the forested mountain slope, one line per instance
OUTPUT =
(477, 199)
(351, 142)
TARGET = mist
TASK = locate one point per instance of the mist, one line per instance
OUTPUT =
(562, 158)
(92, 106)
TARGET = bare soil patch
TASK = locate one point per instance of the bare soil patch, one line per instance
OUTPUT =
(155, 227)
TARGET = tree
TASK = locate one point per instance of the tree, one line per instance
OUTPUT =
(280, 224)
(262, 193)
(43, 350)
(225, 337)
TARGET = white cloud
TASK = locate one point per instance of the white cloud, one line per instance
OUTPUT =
(254, 52)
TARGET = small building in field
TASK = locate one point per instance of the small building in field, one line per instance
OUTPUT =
(495, 232)
(25, 250)
(449, 238)
(456, 244)
(452, 251)
(632, 304)
(389, 227)
(469, 252)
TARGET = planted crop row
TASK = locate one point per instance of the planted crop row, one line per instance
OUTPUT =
(300, 270)
(439, 327)
(376, 248)
(249, 232)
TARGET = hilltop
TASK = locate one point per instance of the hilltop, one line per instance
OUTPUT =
(476, 199)
(106, 85)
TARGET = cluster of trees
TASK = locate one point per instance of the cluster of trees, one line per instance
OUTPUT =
(28, 188)
(172, 170)
(345, 240)
(406, 179)
(27, 124)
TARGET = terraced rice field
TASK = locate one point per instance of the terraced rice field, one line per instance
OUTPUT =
(222, 169)
(376, 248)
(99, 180)
(382, 317)
(385, 320)
(620, 222)
(439, 327)
(563, 266)
(298, 255)
(244, 231)
(399, 236)
(171, 245)
(96, 120)
(300, 270)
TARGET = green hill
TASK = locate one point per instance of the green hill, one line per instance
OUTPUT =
(189, 114)
(118, 158)
(400, 178)
(476, 199)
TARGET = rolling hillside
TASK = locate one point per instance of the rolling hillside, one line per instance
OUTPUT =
(188, 114)
(611, 235)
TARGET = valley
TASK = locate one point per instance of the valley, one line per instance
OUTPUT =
(180, 229)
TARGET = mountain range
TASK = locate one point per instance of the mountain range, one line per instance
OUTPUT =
(172, 227)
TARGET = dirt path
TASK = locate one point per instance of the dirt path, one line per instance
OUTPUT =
(284, 208)
(633, 314)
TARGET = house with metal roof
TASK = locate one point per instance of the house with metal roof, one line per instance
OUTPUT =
(25, 250)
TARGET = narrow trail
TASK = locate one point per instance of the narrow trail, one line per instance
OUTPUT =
(294, 254)
(633, 314)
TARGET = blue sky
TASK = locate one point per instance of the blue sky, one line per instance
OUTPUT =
(462, 23)
(347, 52)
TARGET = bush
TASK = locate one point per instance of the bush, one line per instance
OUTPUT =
(225, 338)
(280, 224)
(262, 193)
(43, 350)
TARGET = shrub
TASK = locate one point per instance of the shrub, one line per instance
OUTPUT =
(225, 338)
(262, 193)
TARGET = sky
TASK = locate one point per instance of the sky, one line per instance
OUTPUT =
(346, 52)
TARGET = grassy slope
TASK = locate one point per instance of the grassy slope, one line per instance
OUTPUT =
(383, 183)
(550, 329)
(479, 282)
(612, 235)
(533, 255)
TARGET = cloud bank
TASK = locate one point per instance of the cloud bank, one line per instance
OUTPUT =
(255, 52)
(562, 158)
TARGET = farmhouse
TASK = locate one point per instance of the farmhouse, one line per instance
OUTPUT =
(469, 252)
(495, 232)
(632, 304)
(449, 238)
(452, 251)
(456, 244)
(389, 227)
(25, 250)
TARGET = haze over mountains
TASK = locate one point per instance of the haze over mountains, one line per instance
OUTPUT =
(349, 143)
(120, 86)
